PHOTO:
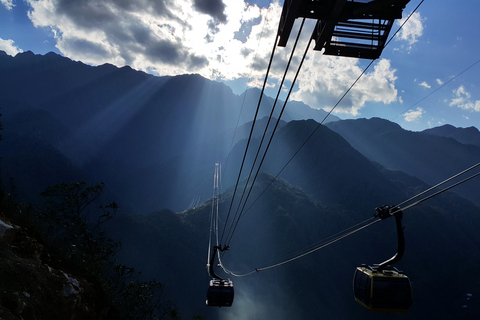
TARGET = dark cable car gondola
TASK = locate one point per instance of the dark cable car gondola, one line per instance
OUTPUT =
(220, 292)
(384, 288)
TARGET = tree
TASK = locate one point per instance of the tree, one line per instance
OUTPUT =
(75, 234)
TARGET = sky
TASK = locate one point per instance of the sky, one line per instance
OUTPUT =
(425, 77)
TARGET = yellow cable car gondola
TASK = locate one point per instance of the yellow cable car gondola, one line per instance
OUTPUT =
(383, 288)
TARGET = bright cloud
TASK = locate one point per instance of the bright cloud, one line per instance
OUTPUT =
(412, 29)
(462, 100)
(413, 115)
(324, 84)
(220, 40)
(8, 4)
(425, 85)
(9, 47)
(168, 37)
(439, 81)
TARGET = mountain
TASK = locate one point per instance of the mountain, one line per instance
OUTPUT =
(155, 140)
(327, 167)
(294, 110)
(431, 158)
(285, 223)
(469, 135)
(144, 135)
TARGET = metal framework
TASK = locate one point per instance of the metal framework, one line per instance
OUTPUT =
(350, 28)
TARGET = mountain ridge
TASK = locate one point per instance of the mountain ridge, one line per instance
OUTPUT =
(154, 142)
(469, 135)
(432, 158)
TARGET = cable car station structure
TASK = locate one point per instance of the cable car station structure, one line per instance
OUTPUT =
(349, 28)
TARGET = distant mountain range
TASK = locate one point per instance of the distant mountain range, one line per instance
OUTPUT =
(432, 155)
(155, 140)
(125, 126)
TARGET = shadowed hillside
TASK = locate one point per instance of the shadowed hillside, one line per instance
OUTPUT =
(431, 158)
(154, 142)
(285, 222)
(469, 135)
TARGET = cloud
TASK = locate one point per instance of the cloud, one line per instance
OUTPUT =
(462, 100)
(425, 85)
(323, 84)
(439, 81)
(8, 4)
(413, 115)
(411, 30)
(166, 37)
(220, 40)
(214, 8)
(9, 47)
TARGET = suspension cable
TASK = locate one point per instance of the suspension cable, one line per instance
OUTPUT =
(250, 136)
(362, 225)
(331, 110)
(271, 137)
(309, 137)
(441, 191)
(438, 185)
(245, 95)
(439, 87)
(338, 238)
(265, 132)
(214, 211)
(230, 234)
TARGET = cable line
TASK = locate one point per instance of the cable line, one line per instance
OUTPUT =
(245, 95)
(441, 191)
(332, 109)
(438, 185)
(364, 224)
(310, 136)
(322, 246)
(250, 136)
(231, 231)
(401, 26)
(326, 242)
(214, 211)
(439, 87)
(266, 129)
(271, 137)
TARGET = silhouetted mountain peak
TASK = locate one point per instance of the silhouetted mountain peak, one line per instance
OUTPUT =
(26, 54)
(469, 135)
(252, 91)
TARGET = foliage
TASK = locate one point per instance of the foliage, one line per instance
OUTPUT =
(139, 300)
(77, 241)
(74, 235)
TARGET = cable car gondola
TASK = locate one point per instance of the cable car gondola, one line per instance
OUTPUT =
(383, 288)
(220, 292)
